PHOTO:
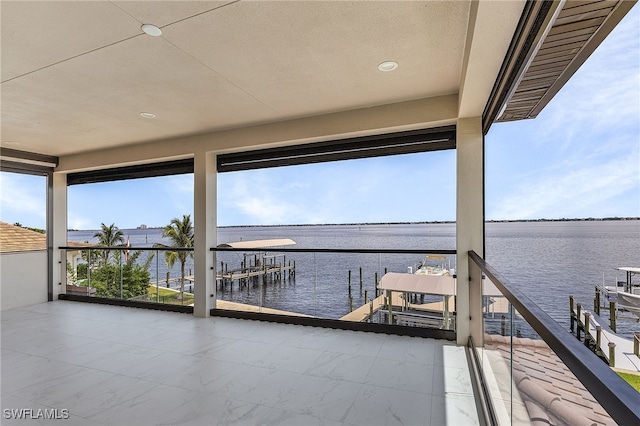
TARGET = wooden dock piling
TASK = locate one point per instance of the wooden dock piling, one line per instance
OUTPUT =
(587, 322)
(375, 284)
(572, 314)
(606, 344)
(578, 315)
(612, 354)
(612, 315)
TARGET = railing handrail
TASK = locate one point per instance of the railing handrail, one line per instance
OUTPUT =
(334, 250)
(122, 248)
(618, 398)
(271, 250)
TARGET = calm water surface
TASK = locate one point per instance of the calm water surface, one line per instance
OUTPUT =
(548, 261)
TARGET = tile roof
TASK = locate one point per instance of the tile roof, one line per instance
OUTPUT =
(15, 239)
(544, 383)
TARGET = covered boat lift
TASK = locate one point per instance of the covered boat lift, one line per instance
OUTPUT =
(257, 244)
(443, 285)
(260, 266)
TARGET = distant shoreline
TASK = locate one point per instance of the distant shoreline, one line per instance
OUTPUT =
(435, 222)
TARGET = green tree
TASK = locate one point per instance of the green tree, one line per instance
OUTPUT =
(109, 236)
(180, 232)
(129, 279)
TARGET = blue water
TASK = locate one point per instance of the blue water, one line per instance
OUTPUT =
(548, 261)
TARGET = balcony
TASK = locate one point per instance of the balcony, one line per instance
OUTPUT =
(116, 365)
(113, 365)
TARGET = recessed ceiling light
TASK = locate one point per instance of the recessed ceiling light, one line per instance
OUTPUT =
(152, 30)
(147, 115)
(388, 66)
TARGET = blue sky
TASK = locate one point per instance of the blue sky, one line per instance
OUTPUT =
(579, 158)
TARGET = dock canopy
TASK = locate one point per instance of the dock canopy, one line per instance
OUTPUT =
(629, 269)
(411, 283)
(257, 244)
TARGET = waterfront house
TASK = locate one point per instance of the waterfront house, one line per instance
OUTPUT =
(100, 91)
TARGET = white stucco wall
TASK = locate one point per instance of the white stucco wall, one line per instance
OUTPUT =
(23, 279)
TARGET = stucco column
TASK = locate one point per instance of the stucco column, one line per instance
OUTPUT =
(57, 226)
(469, 223)
(205, 222)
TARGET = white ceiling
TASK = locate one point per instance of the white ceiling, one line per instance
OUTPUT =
(76, 75)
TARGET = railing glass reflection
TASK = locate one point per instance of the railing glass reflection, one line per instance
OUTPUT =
(379, 286)
(128, 273)
(534, 370)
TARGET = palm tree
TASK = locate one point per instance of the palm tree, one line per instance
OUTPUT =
(109, 236)
(180, 232)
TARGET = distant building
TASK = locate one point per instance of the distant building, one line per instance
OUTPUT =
(143, 226)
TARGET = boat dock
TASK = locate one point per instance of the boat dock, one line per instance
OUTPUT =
(256, 264)
(431, 314)
(618, 352)
(188, 279)
(274, 270)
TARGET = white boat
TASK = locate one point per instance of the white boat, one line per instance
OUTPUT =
(427, 266)
(627, 293)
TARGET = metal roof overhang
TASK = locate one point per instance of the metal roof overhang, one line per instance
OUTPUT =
(16, 161)
(552, 41)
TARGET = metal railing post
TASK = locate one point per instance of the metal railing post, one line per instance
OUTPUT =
(476, 318)
(618, 399)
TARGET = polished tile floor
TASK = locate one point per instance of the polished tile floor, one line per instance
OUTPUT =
(124, 366)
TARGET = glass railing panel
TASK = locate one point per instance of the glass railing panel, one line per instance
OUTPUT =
(136, 274)
(526, 380)
(337, 285)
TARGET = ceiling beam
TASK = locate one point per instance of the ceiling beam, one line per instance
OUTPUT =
(403, 116)
(489, 33)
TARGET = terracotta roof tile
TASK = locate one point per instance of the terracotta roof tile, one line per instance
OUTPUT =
(17, 239)
(542, 366)
(14, 239)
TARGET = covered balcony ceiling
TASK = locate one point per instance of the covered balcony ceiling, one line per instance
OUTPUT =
(76, 76)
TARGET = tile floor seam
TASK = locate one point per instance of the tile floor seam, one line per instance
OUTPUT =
(348, 410)
(363, 345)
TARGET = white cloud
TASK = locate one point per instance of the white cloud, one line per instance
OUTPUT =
(179, 191)
(179, 183)
(583, 153)
(23, 199)
(604, 94)
(77, 222)
(580, 192)
(265, 210)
